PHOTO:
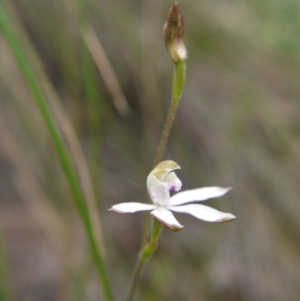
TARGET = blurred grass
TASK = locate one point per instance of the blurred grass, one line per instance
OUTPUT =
(6, 291)
(63, 154)
(237, 125)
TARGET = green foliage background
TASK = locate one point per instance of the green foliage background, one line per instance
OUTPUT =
(237, 125)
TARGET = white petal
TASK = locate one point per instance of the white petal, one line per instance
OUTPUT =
(166, 217)
(199, 194)
(131, 207)
(158, 191)
(205, 213)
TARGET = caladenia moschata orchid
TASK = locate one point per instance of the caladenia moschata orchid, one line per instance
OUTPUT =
(160, 182)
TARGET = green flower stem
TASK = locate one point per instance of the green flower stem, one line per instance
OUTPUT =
(179, 78)
(148, 248)
(146, 252)
(156, 229)
(135, 277)
(61, 149)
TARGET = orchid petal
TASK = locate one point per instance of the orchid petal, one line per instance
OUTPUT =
(203, 212)
(131, 207)
(165, 217)
(199, 194)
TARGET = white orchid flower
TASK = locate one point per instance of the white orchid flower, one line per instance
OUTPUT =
(160, 182)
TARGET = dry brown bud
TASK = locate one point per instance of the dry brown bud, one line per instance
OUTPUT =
(173, 34)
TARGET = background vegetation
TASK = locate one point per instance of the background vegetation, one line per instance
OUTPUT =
(106, 76)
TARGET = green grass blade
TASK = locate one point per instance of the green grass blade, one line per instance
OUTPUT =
(6, 292)
(61, 149)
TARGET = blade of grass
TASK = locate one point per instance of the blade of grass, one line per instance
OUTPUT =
(91, 95)
(6, 292)
(65, 125)
(94, 113)
(63, 154)
(78, 10)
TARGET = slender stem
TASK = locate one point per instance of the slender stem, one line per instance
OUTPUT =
(146, 226)
(179, 77)
(166, 133)
(62, 151)
(135, 277)
(146, 252)
(149, 248)
(156, 230)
